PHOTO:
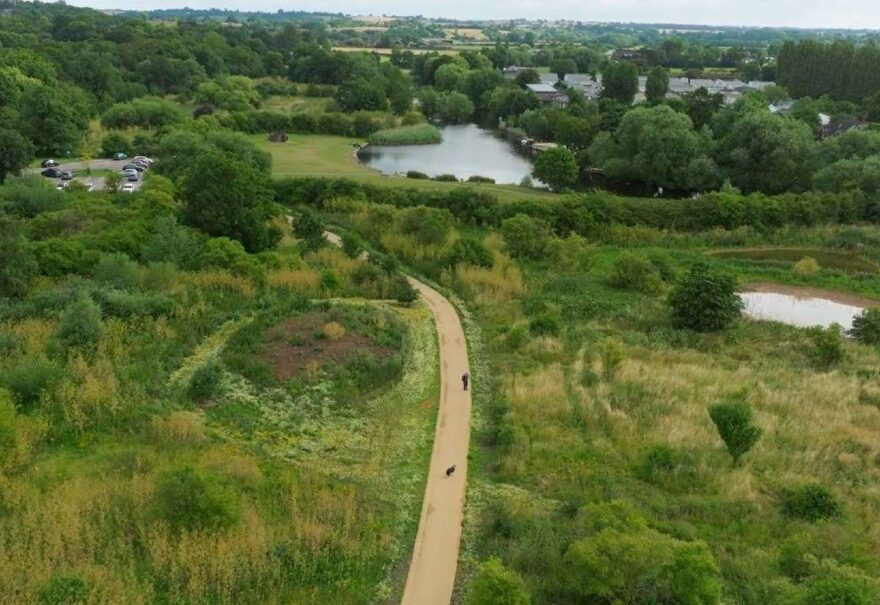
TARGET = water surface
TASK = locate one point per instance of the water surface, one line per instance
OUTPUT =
(466, 151)
(801, 311)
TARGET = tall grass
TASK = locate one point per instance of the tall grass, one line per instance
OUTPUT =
(417, 134)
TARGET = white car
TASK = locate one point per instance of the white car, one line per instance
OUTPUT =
(142, 159)
(128, 188)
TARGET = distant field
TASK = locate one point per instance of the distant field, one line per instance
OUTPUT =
(471, 34)
(296, 103)
(387, 51)
(827, 259)
(331, 156)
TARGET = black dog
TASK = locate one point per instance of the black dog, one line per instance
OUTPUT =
(450, 470)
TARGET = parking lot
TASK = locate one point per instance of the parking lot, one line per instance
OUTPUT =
(94, 182)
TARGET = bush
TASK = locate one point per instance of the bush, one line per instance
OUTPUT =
(189, 500)
(866, 327)
(352, 244)
(525, 236)
(481, 179)
(834, 584)
(806, 266)
(828, 347)
(494, 584)
(545, 324)
(810, 502)
(81, 322)
(63, 589)
(557, 167)
(657, 461)
(333, 330)
(636, 273)
(733, 421)
(705, 300)
(517, 336)
(446, 178)
(470, 252)
(415, 174)
(113, 143)
(402, 291)
(28, 379)
(611, 354)
(205, 380)
(117, 270)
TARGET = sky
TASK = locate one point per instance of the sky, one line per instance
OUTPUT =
(858, 14)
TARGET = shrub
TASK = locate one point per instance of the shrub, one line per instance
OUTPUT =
(811, 502)
(481, 179)
(415, 174)
(190, 500)
(81, 323)
(205, 380)
(545, 324)
(834, 584)
(28, 379)
(517, 336)
(557, 167)
(447, 178)
(806, 266)
(117, 270)
(470, 252)
(18, 265)
(637, 273)
(525, 236)
(113, 143)
(734, 423)
(827, 346)
(658, 460)
(494, 584)
(64, 589)
(866, 327)
(333, 330)
(611, 354)
(705, 300)
(352, 244)
(402, 290)
(309, 229)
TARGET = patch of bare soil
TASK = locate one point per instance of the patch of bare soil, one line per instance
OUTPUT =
(296, 344)
(845, 298)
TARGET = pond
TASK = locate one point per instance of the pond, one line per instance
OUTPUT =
(798, 310)
(466, 151)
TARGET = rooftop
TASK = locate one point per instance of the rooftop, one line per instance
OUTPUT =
(542, 88)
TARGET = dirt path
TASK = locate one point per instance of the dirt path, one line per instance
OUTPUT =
(435, 553)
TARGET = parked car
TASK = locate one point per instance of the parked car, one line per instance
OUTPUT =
(142, 158)
(133, 167)
(119, 155)
(132, 177)
(52, 173)
(140, 163)
(48, 163)
(67, 175)
(128, 188)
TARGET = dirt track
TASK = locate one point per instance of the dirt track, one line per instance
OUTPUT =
(435, 553)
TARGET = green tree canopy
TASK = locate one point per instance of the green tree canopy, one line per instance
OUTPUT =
(705, 300)
(557, 167)
(657, 85)
(620, 81)
(15, 153)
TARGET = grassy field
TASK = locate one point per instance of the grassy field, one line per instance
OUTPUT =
(216, 429)
(332, 156)
(598, 474)
(296, 104)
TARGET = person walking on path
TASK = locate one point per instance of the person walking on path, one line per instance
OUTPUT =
(464, 380)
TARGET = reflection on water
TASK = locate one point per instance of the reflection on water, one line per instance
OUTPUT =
(797, 310)
(466, 151)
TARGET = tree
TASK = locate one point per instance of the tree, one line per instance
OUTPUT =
(19, 265)
(224, 196)
(557, 167)
(55, 119)
(527, 76)
(657, 146)
(705, 300)
(767, 153)
(81, 324)
(657, 85)
(736, 427)
(866, 327)
(495, 584)
(309, 230)
(525, 236)
(620, 81)
(562, 66)
(454, 108)
(112, 181)
(113, 143)
(15, 153)
(700, 106)
(361, 94)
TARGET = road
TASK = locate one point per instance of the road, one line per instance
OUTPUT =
(435, 553)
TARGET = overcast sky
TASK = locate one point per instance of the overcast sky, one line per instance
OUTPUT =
(796, 13)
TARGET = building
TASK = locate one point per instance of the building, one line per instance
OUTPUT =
(836, 127)
(548, 95)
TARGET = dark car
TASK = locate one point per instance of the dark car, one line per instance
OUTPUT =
(133, 167)
(52, 173)
(48, 163)
(67, 175)
(120, 155)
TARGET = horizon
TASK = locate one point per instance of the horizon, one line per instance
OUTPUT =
(856, 15)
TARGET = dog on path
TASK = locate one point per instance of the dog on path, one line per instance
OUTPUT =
(450, 470)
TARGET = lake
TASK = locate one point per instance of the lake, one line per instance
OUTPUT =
(466, 151)
(801, 311)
